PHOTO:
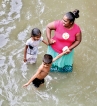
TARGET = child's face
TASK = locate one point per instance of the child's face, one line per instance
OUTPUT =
(37, 37)
(46, 65)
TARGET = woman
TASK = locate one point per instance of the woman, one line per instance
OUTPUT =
(66, 34)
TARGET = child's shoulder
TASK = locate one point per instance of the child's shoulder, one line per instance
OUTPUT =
(41, 66)
(41, 38)
(29, 40)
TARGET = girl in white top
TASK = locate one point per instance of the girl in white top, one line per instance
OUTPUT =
(31, 48)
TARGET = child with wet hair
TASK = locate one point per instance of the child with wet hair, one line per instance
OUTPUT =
(31, 48)
(38, 78)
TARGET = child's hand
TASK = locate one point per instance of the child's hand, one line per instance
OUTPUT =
(25, 85)
(25, 59)
(66, 50)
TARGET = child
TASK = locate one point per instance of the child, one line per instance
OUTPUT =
(43, 70)
(31, 48)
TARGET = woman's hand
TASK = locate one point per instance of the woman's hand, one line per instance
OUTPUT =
(51, 41)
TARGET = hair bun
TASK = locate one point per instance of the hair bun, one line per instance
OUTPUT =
(76, 13)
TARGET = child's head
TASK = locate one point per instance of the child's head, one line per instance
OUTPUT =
(47, 59)
(36, 34)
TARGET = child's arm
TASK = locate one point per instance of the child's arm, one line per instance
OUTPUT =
(45, 42)
(61, 54)
(25, 52)
(33, 77)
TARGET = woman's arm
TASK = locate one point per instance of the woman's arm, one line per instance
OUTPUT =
(25, 52)
(49, 28)
(77, 41)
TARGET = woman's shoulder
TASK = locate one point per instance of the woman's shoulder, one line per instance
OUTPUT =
(77, 27)
(58, 23)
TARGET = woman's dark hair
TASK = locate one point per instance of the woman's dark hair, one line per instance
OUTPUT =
(47, 59)
(35, 32)
(72, 15)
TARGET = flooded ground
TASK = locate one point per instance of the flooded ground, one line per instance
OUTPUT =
(17, 18)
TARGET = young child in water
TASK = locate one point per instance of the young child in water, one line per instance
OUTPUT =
(31, 48)
(38, 78)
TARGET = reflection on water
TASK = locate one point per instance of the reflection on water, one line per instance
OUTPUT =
(17, 18)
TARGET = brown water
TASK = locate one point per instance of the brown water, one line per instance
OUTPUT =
(17, 18)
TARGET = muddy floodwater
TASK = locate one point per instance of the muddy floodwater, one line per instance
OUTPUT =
(78, 88)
